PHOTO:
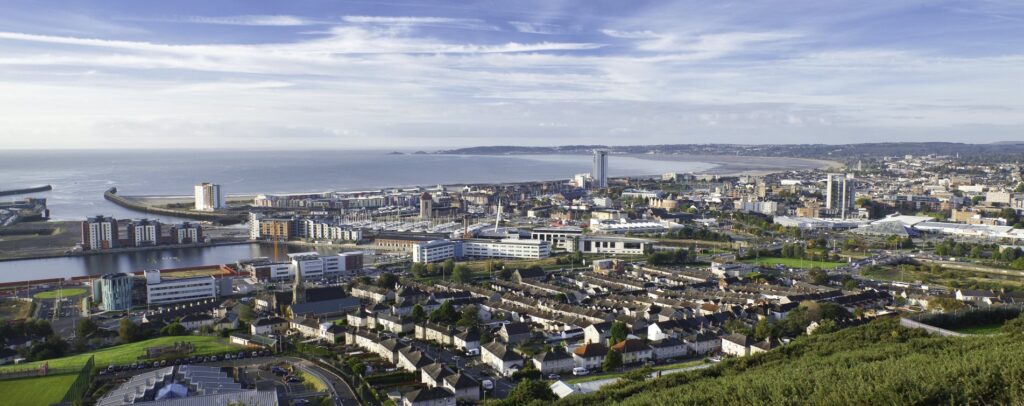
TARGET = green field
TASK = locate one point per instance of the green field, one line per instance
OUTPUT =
(52, 294)
(42, 391)
(794, 263)
(13, 309)
(981, 330)
(129, 353)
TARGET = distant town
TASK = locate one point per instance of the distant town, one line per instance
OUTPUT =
(513, 292)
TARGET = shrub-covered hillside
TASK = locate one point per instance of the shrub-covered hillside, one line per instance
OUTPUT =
(878, 364)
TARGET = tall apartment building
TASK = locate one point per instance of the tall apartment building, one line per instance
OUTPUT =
(99, 233)
(208, 197)
(186, 233)
(840, 196)
(143, 232)
(600, 172)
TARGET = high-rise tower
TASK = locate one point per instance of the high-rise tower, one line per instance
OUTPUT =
(600, 172)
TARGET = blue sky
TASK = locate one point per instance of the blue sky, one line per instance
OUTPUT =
(419, 74)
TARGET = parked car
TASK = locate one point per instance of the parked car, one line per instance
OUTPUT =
(554, 377)
(580, 371)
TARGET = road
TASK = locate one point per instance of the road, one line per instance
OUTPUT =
(593, 386)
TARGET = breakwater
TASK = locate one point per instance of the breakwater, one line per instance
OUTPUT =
(111, 195)
(44, 188)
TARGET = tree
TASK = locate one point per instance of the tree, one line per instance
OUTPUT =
(462, 274)
(418, 269)
(818, 276)
(527, 392)
(617, 333)
(612, 361)
(468, 317)
(128, 331)
(447, 266)
(446, 313)
(174, 329)
(86, 327)
(418, 314)
(1015, 326)
(245, 313)
(946, 304)
(762, 330)
(825, 327)
(387, 280)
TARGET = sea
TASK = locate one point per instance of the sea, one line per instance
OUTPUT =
(80, 177)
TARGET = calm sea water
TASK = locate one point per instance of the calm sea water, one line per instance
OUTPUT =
(79, 179)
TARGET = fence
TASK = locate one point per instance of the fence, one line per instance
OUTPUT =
(942, 323)
(81, 385)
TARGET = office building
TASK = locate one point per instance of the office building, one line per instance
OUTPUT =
(208, 197)
(507, 248)
(602, 244)
(600, 172)
(113, 291)
(840, 195)
(99, 233)
(163, 291)
(143, 232)
(433, 251)
(186, 233)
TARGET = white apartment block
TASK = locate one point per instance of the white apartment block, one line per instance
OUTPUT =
(208, 197)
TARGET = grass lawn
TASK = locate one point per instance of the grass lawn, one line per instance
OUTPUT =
(42, 391)
(981, 330)
(52, 294)
(795, 263)
(12, 309)
(129, 353)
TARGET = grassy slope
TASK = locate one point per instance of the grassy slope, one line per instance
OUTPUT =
(42, 391)
(129, 353)
(880, 363)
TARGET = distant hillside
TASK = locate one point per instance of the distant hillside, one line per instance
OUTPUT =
(1005, 151)
(876, 364)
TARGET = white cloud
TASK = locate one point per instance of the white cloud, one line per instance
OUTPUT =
(535, 28)
(645, 34)
(253, 20)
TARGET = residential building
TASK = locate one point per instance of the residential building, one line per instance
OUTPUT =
(589, 355)
(555, 361)
(143, 232)
(500, 358)
(208, 197)
(186, 233)
(99, 233)
(269, 325)
(633, 351)
(436, 396)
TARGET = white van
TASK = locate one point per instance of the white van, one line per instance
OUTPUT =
(580, 371)
(487, 384)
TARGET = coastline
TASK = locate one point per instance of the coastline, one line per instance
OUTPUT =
(730, 165)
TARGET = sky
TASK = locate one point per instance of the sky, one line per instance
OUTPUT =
(422, 74)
